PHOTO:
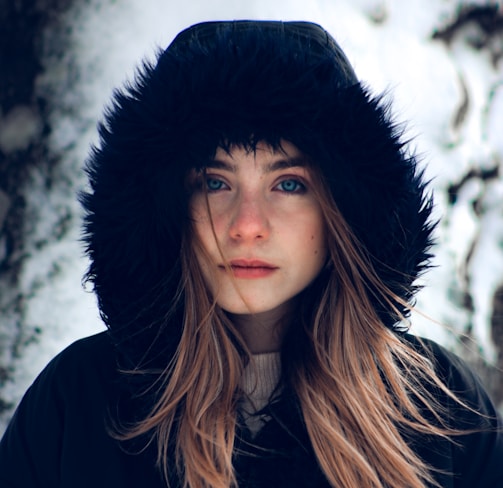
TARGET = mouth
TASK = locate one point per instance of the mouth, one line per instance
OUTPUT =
(251, 263)
(250, 268)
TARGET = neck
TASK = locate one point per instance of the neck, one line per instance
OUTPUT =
(263, 332)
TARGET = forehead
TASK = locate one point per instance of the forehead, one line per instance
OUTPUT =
(269, 158)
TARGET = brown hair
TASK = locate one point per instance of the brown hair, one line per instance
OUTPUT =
(359, 384)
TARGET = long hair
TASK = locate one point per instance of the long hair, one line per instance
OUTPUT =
(359, 385)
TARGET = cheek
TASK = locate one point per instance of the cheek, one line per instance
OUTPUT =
(205, 254)
(206, 242)
(198, 210)
(318, 233)
(320, 251)
(201, 222)
(319, 244)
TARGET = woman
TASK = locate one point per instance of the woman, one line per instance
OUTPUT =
(255, 229)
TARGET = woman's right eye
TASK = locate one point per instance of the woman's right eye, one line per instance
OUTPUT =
(214, 184)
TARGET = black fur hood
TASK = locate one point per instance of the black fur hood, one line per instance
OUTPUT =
(228, 81)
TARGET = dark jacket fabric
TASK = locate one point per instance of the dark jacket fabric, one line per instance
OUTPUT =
(60, 434)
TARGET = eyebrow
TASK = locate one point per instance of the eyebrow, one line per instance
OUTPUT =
(296, 162)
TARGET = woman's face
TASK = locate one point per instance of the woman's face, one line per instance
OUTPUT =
(268, 224)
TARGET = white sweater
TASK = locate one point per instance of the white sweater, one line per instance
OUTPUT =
(260, 378)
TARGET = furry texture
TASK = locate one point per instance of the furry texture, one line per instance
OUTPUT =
(242, 89)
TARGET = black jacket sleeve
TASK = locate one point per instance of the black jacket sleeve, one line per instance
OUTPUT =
(31, 446)
(480, 456)
(475, 458)
(59, 436)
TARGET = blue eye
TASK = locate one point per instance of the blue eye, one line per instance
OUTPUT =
(291, 186)
(214, 184)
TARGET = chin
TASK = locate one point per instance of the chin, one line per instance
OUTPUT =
(258, 309)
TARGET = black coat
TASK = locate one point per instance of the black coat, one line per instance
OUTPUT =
(59, 436)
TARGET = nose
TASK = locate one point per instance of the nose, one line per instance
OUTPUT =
(249, 221)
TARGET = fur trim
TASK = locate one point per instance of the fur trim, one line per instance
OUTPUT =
(245, 83)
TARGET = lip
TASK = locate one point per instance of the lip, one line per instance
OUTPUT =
(250, 268)
(251, 263)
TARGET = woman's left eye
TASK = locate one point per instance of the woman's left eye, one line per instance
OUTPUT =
(291, 186)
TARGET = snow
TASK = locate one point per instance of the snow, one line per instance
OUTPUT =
(18, 128)
(389, 43)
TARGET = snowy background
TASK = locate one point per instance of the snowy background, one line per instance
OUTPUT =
(440, 60)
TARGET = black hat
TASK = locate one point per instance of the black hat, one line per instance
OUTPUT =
(233, 81)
